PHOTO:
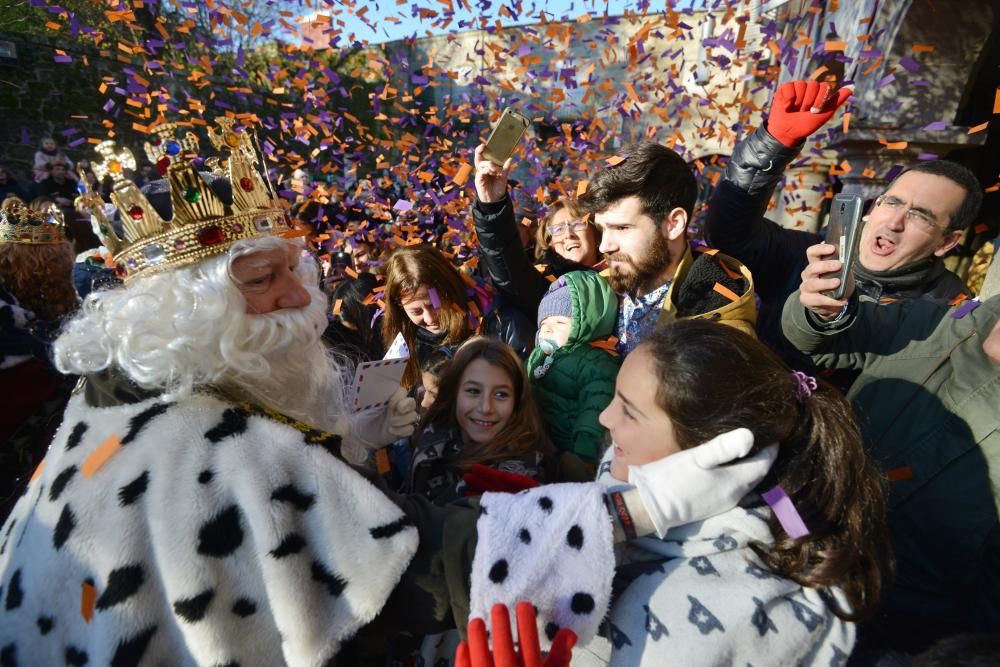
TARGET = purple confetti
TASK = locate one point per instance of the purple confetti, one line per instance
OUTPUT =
(432, 294)
(966, 308)
(893, 172)
(936, 126)
(909, 64)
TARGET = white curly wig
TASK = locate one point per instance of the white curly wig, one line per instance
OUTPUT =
(188, 328)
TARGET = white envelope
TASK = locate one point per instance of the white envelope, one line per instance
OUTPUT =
(375, 382)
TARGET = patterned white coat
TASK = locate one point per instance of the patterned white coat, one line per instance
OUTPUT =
(193, 532)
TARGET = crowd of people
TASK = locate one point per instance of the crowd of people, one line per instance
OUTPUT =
(651, 452)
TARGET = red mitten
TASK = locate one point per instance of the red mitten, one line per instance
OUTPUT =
(481, 479)
(476, 652)
(800, 108)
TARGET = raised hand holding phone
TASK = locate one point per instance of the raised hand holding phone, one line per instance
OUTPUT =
(844, 232)
(493, 159)
(816, 285)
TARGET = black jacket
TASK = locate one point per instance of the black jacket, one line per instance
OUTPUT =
(736, 225)
(509, 266)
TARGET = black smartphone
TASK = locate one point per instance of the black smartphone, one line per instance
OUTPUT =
(844, 233)
(505, 135)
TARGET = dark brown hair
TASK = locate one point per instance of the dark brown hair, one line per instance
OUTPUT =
(405, 271)
(523, 434)
(713, 379)
(658, 176)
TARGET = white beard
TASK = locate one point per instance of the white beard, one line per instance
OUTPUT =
(304, 380)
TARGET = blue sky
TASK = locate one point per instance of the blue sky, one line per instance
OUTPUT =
(377, 28)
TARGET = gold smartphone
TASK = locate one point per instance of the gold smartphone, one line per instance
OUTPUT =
(505, 135)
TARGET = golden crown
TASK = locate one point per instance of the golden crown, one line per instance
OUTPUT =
(202, 225)
(20, 224)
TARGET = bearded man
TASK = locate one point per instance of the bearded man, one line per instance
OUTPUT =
(195, 506)
(643, 204)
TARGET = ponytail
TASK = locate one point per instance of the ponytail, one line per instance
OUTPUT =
(841, 497)
(713, 379)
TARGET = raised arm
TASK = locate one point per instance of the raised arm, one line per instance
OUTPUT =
(493, 214)
(735, 223)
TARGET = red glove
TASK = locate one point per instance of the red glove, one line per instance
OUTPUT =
(792, 121)
(476, 652)
(481, 479)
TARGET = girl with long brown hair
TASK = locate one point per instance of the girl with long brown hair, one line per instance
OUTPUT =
(484, 414)
(780, 579)
(432, 305)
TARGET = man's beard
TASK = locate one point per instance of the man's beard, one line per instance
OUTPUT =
(304, 381)
(642, 273)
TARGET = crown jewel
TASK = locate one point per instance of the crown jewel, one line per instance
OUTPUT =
(202, 223)
(20, 224)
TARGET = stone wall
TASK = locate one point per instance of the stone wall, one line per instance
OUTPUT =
(38, 96)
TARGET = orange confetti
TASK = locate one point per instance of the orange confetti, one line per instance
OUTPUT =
(462, 176)
(38, 471)
(979, 128)
(894, 145)
(996, 101)
(835, 46)
(382, 465)
(899, 474)
(337, 305)
(88, 598)
(726, 292)
(631, 92)
(614, 160)
(101, 455)
(847, 121)
(581, 188)
(922, 48)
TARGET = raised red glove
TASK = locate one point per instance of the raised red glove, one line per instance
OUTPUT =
(791, 121)
(480, 479)
(476, 652)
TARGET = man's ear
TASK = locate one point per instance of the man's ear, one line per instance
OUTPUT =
(948, 241)
(674, 224)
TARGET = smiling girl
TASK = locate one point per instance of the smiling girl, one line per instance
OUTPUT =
(433, 305)
(484, 414)
(780, 579)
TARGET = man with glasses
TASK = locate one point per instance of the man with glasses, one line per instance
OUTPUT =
(926, 396)
(912, 225)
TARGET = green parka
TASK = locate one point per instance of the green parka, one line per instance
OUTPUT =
(580, 379)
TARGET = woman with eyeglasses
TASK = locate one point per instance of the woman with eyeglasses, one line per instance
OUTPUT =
(566, 241)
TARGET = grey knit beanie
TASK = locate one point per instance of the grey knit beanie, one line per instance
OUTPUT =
(557, 302)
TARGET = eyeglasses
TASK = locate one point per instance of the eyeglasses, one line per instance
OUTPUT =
(576, 226)
(917, 215)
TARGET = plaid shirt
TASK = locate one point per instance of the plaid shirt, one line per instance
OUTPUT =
(637, 317)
